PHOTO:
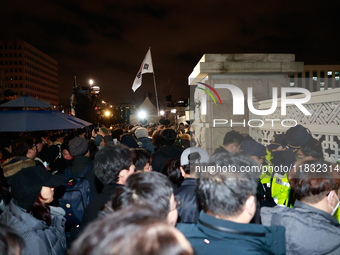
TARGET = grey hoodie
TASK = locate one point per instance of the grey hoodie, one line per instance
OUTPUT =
(308, 230)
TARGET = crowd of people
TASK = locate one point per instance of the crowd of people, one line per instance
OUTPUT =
(152, 190)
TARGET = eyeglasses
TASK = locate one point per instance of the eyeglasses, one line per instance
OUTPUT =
(177, 203)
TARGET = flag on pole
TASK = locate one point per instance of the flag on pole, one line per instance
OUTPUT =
(146, 67)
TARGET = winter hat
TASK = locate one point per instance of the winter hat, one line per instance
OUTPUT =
(27, 184)
(276, 142)
(78, 146)
(141, 132)
(297, 136)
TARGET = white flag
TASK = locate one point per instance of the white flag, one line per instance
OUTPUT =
(146, 67)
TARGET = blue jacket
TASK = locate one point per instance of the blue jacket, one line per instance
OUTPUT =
(40, 239)
(215, 236)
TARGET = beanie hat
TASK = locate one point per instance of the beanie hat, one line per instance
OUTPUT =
(141, 132)
(78, 147)
(297, 136)
(26, 185)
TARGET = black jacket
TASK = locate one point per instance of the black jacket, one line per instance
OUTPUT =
(215, 236)
(160, 157)
(187, 195)
(97, 203)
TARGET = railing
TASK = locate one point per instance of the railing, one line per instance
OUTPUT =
(324, 123)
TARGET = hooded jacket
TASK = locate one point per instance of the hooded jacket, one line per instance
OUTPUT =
(39, 238)
(160, 157)
(308, 230)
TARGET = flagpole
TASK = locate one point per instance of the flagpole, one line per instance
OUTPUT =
(154, 83)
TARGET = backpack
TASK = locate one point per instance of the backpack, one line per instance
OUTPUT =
(77, 196)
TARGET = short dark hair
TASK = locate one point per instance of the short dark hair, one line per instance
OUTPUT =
(145, 188)
(133, 231)
(225, 193)
(233, 137)
(172, 170)
(21, 145)
(142, 158)
(110, 160)
(168, 136)
(313, 186)
(55, 137)
(10, 240)
(313, 148)
(116, 133)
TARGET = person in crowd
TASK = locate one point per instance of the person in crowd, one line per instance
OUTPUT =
(9, 96)
(133, 231)
(117, 134)
(142, 160)
(312, 150)
(231, 143)
(310, 226)
(187, 193)
(168, 151)
(156, 139)
(150, 189)
(11, 243)
(173, 171)
(41, 226)
(79, 150)
(295, 137)
(228, 202)
(5, 148)
(113, 164)
(277, 148)
(256, 150)
(64, 162)
(142, 135)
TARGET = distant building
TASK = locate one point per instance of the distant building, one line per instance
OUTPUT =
(26, 70)
(317, 77)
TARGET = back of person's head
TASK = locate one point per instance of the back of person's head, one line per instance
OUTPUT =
(313, 149)
(21, 145)
(142, 158)
(172, 170)
(11, 243)
(78, 146)
(110, 160)
(117, 133)
(233, 137)
(168, 136)
(312, 180)
(145, 188)
(192, 157)
(134, 231)
(222, 192)
(55, 137)
(93, 149)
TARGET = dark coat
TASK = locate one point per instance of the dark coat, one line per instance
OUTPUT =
(97, 203)
(220, 149)
(78, 165)
(160, 157)
(215, 236)
(187, 195)
(308, 230)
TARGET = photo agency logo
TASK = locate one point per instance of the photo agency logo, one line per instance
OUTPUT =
(238, 102)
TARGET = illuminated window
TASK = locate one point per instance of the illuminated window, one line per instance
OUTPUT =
(291, 83)
(315, 81)
(336, 79)
(322, 81)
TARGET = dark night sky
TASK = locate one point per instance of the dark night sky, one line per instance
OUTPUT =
(107, 40)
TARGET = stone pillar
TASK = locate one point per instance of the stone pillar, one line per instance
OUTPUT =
(261, 72)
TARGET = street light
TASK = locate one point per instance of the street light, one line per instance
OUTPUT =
(142, 115)
(91, 82)
(161, 112)
(107, 113)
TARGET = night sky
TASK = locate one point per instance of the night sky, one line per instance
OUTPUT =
(107, 40)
